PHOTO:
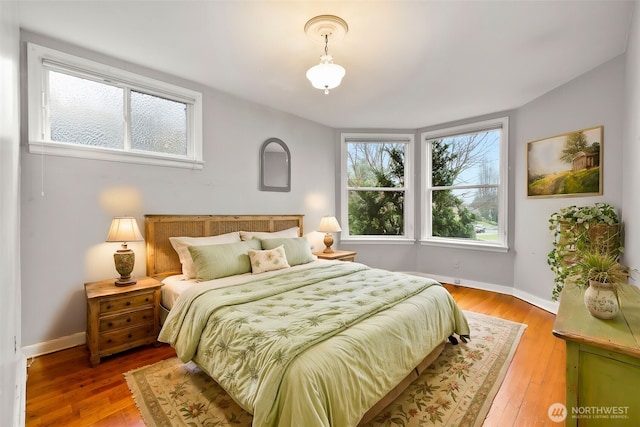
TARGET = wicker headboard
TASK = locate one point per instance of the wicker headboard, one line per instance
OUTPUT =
(162, 259)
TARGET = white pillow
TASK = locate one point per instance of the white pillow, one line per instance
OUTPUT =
(181, 246)
(262, 235)
(268, 260)
(316, 241)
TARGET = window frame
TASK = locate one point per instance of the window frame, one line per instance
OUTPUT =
(41, 60)
(426, 238)
(408, 140)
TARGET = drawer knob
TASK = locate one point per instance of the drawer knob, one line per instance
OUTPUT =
(109, 307)
(146, 299)
(129, 319)
(108, 341)
(129, 336)
(109, 324)
(128, 302)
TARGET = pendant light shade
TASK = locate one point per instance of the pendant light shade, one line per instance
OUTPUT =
(326, 75)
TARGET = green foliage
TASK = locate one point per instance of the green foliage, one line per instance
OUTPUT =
(601, 267)
(578, 230)
(583, 181)
(380, 212)
(576, 142)
(567, 182)
(450, 218)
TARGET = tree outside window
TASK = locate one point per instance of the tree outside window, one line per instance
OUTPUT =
(376, 186)
(464, 186)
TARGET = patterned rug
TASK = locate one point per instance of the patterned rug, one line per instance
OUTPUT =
(457, 389)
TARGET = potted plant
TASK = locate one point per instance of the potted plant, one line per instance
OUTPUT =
(602, 274)
(575, 230)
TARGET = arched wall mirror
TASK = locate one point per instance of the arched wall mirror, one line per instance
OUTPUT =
(275, 166)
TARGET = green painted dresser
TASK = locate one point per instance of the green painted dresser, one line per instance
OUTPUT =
(603, 360)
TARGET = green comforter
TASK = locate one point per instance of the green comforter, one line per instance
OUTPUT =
(365, 329)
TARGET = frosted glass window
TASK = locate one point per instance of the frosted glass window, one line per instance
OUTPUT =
(158, 124)
(85, 112)
(89, 110)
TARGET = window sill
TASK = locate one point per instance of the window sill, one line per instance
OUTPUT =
(379, 240)
(473, 245)
(77, 151)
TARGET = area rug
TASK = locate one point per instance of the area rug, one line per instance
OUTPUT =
(456, 390)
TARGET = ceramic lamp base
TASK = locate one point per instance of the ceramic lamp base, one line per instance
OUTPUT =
(125, 260)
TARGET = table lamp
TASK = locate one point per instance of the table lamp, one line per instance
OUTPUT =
(328, 225)
(124, 229)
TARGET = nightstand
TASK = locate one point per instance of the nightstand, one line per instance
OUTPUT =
(337, 255)
(120, 318)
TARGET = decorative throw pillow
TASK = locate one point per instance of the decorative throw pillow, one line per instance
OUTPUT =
(216, 261)
(289, 232)
(268, 260)
(181, 246)
(297, 250)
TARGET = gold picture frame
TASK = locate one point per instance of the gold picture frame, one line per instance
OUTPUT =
(567, 165)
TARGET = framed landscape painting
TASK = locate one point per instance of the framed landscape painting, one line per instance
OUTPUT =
(566, 165)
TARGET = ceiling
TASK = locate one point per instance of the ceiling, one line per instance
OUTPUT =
(410, 64)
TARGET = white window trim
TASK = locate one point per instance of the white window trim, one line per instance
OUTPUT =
(40, 143)
(408, 139)
(502, 244)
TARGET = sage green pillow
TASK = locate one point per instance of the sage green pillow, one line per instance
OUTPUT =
(297, 249)
(216, 261)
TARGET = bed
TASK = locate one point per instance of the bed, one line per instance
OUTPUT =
(317, 343)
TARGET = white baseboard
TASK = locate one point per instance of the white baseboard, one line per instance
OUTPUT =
(54, 345)
(550, 306)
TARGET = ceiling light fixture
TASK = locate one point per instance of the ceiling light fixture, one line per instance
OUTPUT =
(326, 75)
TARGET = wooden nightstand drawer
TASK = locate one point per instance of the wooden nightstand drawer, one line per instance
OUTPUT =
(125, 337)
(126, 302)
(126, 320)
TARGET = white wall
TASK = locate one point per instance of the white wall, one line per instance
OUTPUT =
(631, 149)
(63, 231)
(592, 99)
(12, 367)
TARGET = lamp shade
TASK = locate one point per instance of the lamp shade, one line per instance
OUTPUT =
(329, 224)
(124, 229)
(326, 75)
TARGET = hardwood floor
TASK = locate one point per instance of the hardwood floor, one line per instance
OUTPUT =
(63, 390)
(536, 376)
